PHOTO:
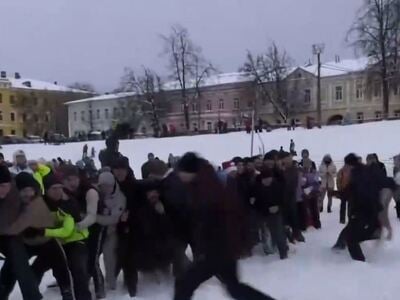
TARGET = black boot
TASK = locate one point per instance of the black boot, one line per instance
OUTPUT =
(67, 294)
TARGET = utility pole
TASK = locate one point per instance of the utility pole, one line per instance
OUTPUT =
(318, 49)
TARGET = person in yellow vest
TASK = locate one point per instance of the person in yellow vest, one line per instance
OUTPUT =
(39, 172)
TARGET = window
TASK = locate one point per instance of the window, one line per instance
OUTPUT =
(307, 96)
(47, 118)
(23, 117)
(1, 132)
(209, 105)
(194, 107)
(221, 104)
(13, 131)
(12, 99)
(377, 90)
(98, 113)
(1, 98)
(12, 117)
(236, 103)
(1, 115)
(182, 107)
(36, 118)
(209, 126)
(115, 112)
(360, 116)
(75, 116)
(359, 91)
(106, 113)
(249, 104)
(378, 115)
(339, 93)
(45, 102)
(90, 115)
(83, 116)
(35, 101)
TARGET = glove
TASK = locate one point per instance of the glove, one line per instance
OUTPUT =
(33, 232)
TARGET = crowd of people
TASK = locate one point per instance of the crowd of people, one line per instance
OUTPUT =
(70, 216)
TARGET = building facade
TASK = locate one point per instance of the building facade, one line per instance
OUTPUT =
(346, 96)
(33, 107)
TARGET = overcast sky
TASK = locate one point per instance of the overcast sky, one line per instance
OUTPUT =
(93, 40)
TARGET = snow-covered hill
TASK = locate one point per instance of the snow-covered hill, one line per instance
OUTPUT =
(313, 271)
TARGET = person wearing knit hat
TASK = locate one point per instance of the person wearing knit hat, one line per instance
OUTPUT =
(5, 181)
(108, 155)
(27, 186)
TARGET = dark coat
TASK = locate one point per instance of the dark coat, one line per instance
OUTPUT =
(364, 188)
(215, 217)
(268, 196)
(242, 185)
(107, 156)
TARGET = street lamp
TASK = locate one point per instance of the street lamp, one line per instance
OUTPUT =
(318, 49)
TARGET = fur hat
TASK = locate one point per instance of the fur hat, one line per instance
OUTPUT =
(5, 175)
(24, 180)
(351, 159)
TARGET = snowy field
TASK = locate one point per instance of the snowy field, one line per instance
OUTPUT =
(313, 271)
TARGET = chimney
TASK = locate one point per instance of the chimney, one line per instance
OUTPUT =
(17, 75)
(3, 74)
(337, 59)
(55, 82)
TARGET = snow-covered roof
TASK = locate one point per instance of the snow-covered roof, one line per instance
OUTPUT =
(337, 68)
(218, 79)
(103, 97)
(34, 84)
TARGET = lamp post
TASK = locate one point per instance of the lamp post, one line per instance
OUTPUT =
(318, 49)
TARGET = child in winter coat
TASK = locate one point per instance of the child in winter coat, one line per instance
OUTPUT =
(114, 203)
(327, 172)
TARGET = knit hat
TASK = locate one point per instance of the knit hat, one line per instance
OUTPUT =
(5, 176)
(351, 159)
(50, 180)
(120, 163)
(24, 180)
(106, 178)
(68, 170)
(189, 163)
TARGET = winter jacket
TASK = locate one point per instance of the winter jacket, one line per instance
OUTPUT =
(327, 174)
(343, 178)
(10, 208)
(313, 165)
(242, 185)
(87, 198)
(291, 179)
(114, 206)
(41, 172)
(34, 214)
(66, 214)
(268, 196)
(310, 186)
(364, 187)
(215, 217)
(16, 169)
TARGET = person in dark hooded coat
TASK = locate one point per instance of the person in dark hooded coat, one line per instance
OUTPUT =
(213, 212)
(108, 155)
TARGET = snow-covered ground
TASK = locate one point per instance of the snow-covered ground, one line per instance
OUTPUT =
(313, 271)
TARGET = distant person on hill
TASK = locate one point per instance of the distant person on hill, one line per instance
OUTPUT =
(292, 148)
(85, 151)
(146, 165)
(108, 155)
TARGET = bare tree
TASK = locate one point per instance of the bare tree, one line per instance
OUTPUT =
(268, 71)
(83, 86)
(149, 91)
(376, 33)
(186, 64)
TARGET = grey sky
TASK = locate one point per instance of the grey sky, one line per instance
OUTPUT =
(92, 40)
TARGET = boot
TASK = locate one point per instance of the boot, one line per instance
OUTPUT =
(329, 210)
(67, 294)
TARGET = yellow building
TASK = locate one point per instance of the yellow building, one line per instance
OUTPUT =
(33, 107)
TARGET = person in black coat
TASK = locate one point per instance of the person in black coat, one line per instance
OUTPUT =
(215, 224)
(111, 153)
(268, 193)
(364, 188)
